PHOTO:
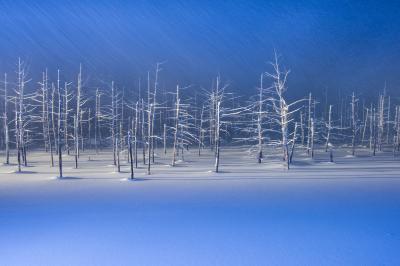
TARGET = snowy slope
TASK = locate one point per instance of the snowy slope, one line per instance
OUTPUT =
(318, 213)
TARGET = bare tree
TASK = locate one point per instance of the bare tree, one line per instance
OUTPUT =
(260, 116)
(281, 107)
(294, 139)
(183, 127)
(366, 118)
(396, 142)
(5, 119)
(309, 124)
(67, 99)
(165, 138)
(217, 133)
(76, 140)
(388, 122)
(44, 103)
(381, 120)
(136, 133)
(328, 128)
(79, 104)
(201, 131)
(113, 122)
(21, 115)
(59, 126)
(374, 130)
(97, 118)
(143, 135)
(177, 113)
(118, 149)
(222, 116)
(149, 136)
(130, 152)
(49, 141)
(89, 121)
(312, 128)
(52, 117)
(302, 127)
(354, 124)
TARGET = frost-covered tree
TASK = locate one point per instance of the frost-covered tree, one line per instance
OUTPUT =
(67, 109)
(224, 115)
(396, 127)
(5, 121)
(23, 114)
(309, 116)
(282, 109)
(59, 126)
(182, 128)
(130, 153)
(354, 123)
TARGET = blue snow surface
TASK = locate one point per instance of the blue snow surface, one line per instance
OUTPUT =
(300, 219)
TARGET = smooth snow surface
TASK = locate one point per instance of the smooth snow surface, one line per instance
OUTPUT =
(318, 213)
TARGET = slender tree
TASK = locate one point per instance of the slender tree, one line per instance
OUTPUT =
(281, 107)
(130, 153)
(5, 117)
(59, 126)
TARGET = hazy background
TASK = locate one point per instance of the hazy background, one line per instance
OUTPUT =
(346, 45)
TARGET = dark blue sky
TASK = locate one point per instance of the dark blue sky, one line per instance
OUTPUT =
(348, 45)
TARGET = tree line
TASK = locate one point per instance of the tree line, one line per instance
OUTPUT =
(66, 117)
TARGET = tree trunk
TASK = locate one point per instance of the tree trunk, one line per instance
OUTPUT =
(293, 143)
(217, 137)
(130, 152)
(6, 133)
(259, 122)
(136, 135)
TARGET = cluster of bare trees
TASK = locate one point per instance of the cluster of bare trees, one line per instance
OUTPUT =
(139, 123)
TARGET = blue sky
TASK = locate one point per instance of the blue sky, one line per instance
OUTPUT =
(347, 45)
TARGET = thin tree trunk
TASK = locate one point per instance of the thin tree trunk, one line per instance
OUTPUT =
(89, 129)
(59, 131)
(259, 122)
(78, 103)
(293, 143)
(6, 133)
(174, 151)
(136, 135)
(329, 127)
(66, 145)
(96, 121)
(130, 152)
(143, 134)
(76, 145)
(149, 137)
(309, 125)
(17, 143)
(44, 108)
(365, 126)
(165, 138)
(312, 137)
(117, 147)
(201, 130)
(302, 128)
(353, 124)
(217, 137)
(113, 123)
(388, 122)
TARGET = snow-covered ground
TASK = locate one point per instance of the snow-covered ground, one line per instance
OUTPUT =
(318, 213)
